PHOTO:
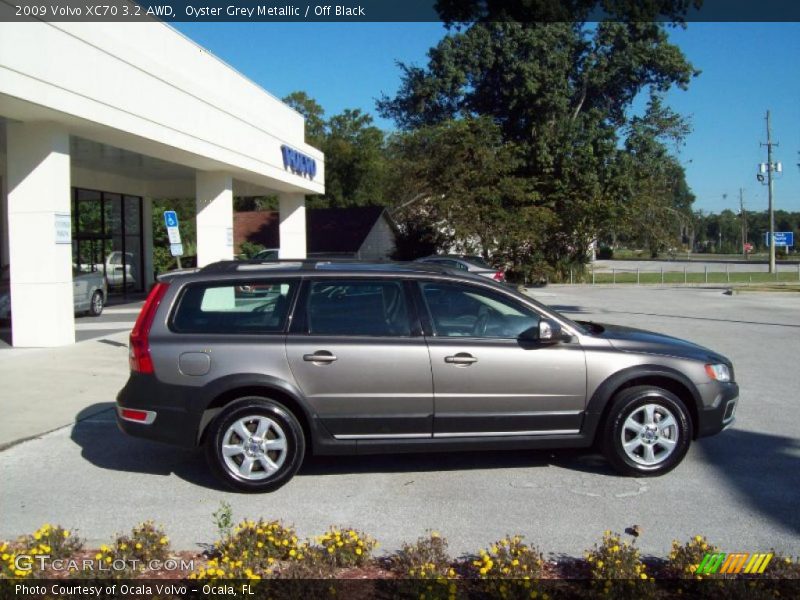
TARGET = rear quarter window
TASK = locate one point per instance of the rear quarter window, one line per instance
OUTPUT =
(240, 307)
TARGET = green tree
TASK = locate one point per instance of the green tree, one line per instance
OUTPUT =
(355, 165)
(560, 92)
(657, 207)
(459, 178)
(314, 116)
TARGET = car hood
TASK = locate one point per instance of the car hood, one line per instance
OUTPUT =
(629, 339)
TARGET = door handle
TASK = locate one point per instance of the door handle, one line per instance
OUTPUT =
(462, 358)
(320, 356)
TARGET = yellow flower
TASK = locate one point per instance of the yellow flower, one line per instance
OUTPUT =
(698, 539)
(164, 540)
(66, 533)
(599, 564)
(138, 546)
(358, 551)
(643, 576)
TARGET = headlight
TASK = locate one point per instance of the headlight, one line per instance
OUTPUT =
(718, 372)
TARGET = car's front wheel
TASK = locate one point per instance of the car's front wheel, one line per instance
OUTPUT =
(255, 445)
(648, 431)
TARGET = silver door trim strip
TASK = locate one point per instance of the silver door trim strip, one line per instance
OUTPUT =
(535, 413)
(458, 434)
(461, 434)
(382, 436)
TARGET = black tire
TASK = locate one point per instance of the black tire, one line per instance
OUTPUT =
(633, 402)
(255, 410)
(96, 304)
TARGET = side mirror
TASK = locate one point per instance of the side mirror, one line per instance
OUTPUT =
(546, 332)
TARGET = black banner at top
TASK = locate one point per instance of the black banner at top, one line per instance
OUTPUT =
(365, 11)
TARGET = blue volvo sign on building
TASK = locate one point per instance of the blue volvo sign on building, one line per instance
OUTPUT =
(299, 163)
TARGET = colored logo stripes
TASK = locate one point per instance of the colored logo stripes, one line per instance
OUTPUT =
(731, 564)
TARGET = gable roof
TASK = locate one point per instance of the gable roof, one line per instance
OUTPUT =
(328, 230)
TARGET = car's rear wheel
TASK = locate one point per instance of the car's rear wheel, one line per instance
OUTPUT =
(96, 304)
(648, 431)
(255, 445)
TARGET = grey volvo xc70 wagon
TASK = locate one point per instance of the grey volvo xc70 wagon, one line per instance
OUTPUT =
(263, 362)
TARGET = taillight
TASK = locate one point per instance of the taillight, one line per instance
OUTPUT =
(139, 348)
(499, 276)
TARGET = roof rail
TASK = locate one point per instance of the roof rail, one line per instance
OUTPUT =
(227, 266)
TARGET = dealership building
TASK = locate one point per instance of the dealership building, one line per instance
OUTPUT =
(96, 120)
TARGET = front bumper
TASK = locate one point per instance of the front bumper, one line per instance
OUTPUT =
(719, 409)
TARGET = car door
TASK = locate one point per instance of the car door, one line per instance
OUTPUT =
(487, 382)
(357, 353)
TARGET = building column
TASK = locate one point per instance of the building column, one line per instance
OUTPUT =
(292, 209)
(3, 218)
(214, 217)
(147, 242)
(39, 235)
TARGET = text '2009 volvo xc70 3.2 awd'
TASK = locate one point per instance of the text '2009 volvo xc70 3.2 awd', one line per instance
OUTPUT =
(263, 362)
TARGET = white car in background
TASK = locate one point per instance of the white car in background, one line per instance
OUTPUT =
(89, 293)
(114, 269)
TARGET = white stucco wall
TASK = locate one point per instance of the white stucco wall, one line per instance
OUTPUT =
(146, 88)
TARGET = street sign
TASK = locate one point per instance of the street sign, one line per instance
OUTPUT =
(176, 249)
(171, 221)
(782, 238)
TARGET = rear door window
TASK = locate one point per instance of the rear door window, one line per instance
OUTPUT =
(241, 307)
(366, 307)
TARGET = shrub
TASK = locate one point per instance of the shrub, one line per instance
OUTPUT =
(683, 559)
(223, 519)
(8, 566)
(783, 567)
(53, 540)
(427, 558)
(605, 253)
(510, 558)
(346, 547)
(616, 568)
(145, 543)
(250, 249)
(252, 551)
(50, 540)
(510, 565)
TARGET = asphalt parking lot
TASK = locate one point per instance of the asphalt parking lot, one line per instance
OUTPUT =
(740, 488)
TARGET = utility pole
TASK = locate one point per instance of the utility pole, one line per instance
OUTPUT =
(744, 222)
(770, 169)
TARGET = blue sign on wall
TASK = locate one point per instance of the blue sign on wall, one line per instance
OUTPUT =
(782, 238)
(299, 163)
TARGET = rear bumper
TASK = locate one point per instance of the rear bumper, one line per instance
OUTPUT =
(720, 412)
(172, 421)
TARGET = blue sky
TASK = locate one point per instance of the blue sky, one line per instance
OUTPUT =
(747, 68)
